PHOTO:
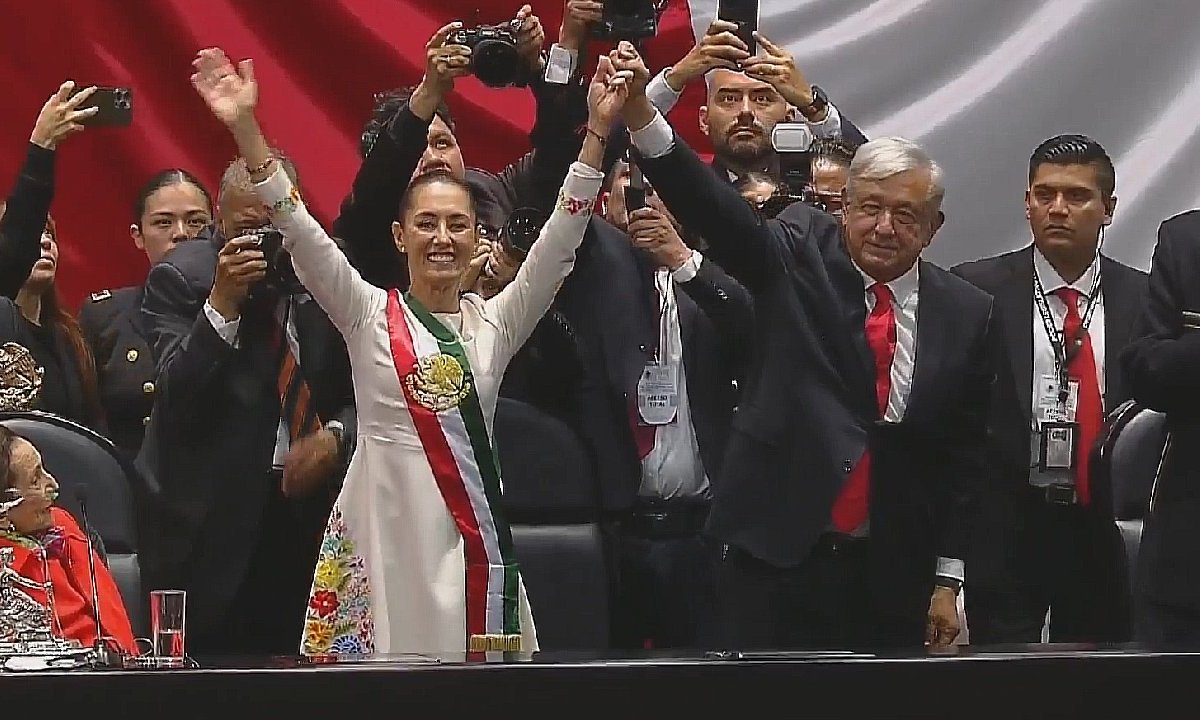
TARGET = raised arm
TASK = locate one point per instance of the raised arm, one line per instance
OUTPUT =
(738, 238)
(518, 307)
(28, 205)
(320, 265)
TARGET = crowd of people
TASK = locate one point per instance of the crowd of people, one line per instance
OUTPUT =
(803, 434)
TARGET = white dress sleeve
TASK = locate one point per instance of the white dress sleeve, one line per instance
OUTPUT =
(517, 308)
(320, 264)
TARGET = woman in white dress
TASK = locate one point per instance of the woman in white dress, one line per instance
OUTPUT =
(417, 557)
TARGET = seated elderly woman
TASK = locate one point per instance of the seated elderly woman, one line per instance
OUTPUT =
(48, 549)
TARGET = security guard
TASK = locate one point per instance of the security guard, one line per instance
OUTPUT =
(124, 364)
(171, 207)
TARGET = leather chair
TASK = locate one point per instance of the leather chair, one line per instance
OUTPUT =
(1131, 453)
(88, 465)
(550, 499)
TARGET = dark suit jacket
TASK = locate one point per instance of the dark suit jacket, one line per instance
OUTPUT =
(112, 325)
(209, 446)
(808, 410)
(1163, 368)
(613, 302)
(999, 561)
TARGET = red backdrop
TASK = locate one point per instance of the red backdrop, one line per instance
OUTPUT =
(318, 63)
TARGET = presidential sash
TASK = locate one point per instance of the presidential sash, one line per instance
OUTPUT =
(443, 400)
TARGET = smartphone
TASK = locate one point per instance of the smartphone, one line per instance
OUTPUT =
(635, 192)
(115, 103)
(745, 14)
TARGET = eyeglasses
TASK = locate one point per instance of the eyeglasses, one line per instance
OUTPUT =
(901, 217)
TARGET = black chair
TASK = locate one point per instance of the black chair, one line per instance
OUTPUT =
(79, 458)
(551, 502)
(1131, 455)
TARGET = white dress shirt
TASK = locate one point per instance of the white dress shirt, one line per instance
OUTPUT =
(1043, 350)
(228, 331)
(673, 468)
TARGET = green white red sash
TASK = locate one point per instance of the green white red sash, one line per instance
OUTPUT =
(442, 398)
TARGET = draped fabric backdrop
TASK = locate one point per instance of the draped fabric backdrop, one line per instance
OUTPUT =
(979, 82)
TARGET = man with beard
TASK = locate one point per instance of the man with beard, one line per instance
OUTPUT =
(747, 97)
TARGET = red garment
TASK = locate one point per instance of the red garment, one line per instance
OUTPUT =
(850, 510)
(72, 586)
(1089, 411)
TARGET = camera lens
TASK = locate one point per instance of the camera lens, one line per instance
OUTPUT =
(495, 62)
(522, 229)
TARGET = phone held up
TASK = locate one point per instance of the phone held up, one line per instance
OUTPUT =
(115, 103)
(745, 14)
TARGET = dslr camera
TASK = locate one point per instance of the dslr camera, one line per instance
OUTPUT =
(494, 57)
(521, 230)
(793, 145)
(281, 275)
(630, 20)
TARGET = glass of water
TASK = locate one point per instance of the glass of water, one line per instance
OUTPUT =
(168, 612)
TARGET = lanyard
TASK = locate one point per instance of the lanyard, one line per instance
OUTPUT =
(662, 302)
(1062, 353)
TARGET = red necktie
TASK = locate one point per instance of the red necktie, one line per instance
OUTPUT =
(1089, 411)
(850, 510)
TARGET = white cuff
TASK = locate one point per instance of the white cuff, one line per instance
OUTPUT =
(688, 269)
(226, 329)
(660, 93)
(952, 568)
(831, 126)
(654, 140)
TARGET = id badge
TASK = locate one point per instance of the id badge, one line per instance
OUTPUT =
(658, 396)
(1052, 406)
(1056, 446)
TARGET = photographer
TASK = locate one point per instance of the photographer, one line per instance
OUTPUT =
(748, 95)
(252, 426)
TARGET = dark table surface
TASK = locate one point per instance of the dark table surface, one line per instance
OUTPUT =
(1053, 681)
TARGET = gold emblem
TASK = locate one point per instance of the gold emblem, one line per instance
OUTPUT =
(20, 378)
(438, 382)
(131, 355)
(494, 642)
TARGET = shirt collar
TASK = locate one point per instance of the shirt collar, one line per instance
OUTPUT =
(902, 287)
(1052, 281)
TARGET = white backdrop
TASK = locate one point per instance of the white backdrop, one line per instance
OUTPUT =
(980, 83)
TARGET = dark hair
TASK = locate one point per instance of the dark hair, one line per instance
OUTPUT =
(387, 104)
(1076, 150)
(437, 176)
(167, 178)
(834, 150)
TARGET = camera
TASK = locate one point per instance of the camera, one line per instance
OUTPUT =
(494, 57)
(521, 230)
(628, 20)
(281, 275)
(793, 144)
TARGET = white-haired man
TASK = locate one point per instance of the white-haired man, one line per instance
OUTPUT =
(857, 449)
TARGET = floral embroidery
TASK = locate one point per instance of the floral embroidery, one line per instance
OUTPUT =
(574, 205)
(338, 619)
(287, 204)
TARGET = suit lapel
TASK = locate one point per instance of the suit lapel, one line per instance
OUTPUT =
(1014, 300)
(850, 287)
(1120, 307)
(933, 314)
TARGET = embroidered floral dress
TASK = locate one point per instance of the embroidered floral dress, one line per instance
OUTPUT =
(416, 557)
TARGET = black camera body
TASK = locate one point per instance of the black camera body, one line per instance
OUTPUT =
(521, 230)
(494, 56)
(281, 274)
(630, 20)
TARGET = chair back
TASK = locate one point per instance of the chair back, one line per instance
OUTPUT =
(550, 499)
(1131, 455)
(87, 465)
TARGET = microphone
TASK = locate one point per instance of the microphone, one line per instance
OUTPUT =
(104, 655)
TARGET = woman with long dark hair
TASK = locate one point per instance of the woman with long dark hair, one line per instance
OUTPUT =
(30, 312)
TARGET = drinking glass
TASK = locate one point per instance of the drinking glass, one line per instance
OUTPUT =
(168, 612)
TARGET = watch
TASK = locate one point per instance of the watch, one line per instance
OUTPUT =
(339, 433)
(819, 104)
(948, 582)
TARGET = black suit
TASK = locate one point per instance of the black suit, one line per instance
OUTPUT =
(1162, 370)
(808, 412)
(220, 527)
(1030, 555)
